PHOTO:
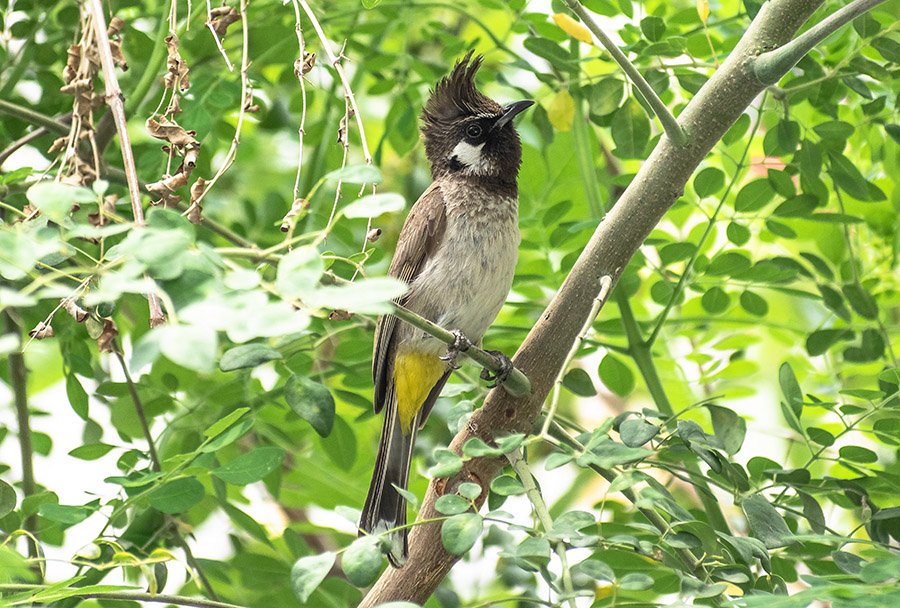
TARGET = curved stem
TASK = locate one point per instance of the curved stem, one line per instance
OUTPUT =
(769, 67)
(673, 130)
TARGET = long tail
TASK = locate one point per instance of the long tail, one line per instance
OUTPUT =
(385, 509)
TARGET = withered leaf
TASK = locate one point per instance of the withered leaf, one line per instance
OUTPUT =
(41, 331)
(297, 207)
(170, 131)
(74, 310)
(107, 340)
(373, 235)
(221, 17)
(168, 184)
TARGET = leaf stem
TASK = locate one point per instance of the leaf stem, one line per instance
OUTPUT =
(523, 471)
(770, 66)
(132, 596)
(670, 125)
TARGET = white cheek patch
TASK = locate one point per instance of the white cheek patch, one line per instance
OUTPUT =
(467, 154)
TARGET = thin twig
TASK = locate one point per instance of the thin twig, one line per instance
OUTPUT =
(301, 130)
(246, 98)
(133, 596)
(115, 100)
(516, 384)
(606, 283)
(523, 471)
(669, 124)
(209, 24)
(770, 66)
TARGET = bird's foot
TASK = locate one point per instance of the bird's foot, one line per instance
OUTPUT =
(499, 377)
(460, 345)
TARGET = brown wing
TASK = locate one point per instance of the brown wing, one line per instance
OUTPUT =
(421, 234)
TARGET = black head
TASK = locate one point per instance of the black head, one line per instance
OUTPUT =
(468, 133)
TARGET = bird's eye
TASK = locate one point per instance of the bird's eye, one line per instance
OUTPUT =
(473, 131)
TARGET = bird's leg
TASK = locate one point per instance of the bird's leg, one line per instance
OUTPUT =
(460, 345)
(504, 363)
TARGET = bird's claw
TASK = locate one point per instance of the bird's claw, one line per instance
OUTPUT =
(499, 377)
(460, 345)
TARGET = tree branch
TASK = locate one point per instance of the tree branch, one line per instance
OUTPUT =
(18, 377)
(115, 101)
(656, 187)
(516, 384)
(772, 65)
(673, 130)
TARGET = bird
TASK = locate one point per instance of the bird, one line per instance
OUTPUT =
(457, 252)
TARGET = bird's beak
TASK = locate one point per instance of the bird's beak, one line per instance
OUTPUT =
(510, 112)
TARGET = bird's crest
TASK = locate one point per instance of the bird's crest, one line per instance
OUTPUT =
(456, 96)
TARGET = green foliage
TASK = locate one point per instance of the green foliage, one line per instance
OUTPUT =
(726, 432)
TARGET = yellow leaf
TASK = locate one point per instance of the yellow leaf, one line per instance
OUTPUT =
(573, 28)
(562, 111)
(703, 10)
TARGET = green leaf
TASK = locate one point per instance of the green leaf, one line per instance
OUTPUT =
(299, 272)
(219, 427)
(737, 233)
(469, 490)
(247, 355)
(451, 504)
(91, 451)
(615, 375)
(7, 498)
(790, 388)
(766, 523)
(64, 514)
(754, 304)
(309, 572)
(55, 199)
(849, 179)
(715, 300)
(312, 402)
(361, 562)
(653, 28)
(728, 427)
(728, 263)
(605, 96)
(252, 466)
(709, 181)
(819, 341)
(579, 382)
(507, 485)
(635, 432)
(178, 495)
(858, 454)
(367, 296)
(754, 196)
(356, 174)
(374, 205)
(636, 581)
(78, 398)
(459, 533)
(860, 300)
(447, 463)
(630, 130)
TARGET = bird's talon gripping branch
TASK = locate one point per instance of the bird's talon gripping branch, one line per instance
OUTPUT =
(504, 363)
(460, 345)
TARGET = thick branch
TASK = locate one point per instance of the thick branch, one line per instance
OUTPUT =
(656, 187)
(673, 130)
(772, 65)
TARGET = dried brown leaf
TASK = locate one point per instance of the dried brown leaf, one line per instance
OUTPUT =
(170, 131)
(106, 343)
(73, 60)
(41, 331)
(177, 71)
(168, 184)
(339, 315)
(299, 206)
(373, 235)
(221, 17)
(115, 27)
(304, 66)
(74, 310)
